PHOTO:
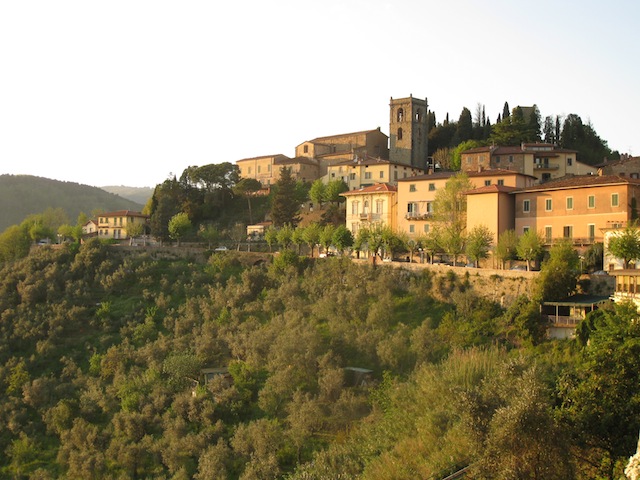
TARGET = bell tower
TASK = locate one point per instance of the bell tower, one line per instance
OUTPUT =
(408, 136)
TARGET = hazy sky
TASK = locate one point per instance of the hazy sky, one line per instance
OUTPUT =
(129, 92)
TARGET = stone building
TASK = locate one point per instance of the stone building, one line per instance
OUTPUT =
(544, 161)
(335, 149)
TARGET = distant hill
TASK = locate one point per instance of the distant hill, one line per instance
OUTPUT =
(23, 195)
(136, 194)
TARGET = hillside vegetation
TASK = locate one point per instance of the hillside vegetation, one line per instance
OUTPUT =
(101, 354)
(24, 195)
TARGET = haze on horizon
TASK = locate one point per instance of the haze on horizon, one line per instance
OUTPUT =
(129, 93)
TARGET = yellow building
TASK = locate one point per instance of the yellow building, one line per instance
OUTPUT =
(369, 206)
(576, 208)
(541, 160)
(492, 206)
(266, 169)
(115, 224)
(416, 198)
(344, 147)
(364, 172)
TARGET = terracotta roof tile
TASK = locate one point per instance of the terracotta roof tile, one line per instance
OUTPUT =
(377, 188)
(579, 181)
(491, 189)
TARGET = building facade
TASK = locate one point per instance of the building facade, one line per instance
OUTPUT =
(416, 199)
(371, 206)
(369, 171)
(541, 160)
(116, 225)
(578, 208)
(266, 169)
(331, 150)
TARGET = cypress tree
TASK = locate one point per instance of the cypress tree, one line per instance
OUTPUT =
(284, 207)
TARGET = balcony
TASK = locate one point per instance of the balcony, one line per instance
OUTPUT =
(576, 241)
(546, 166)
(564, 320)
(418, 216)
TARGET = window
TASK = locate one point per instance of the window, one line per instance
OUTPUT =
(400, 116)
(426, 228)
(525, 229)
(367, 175)
(591, 201)
(412, 187)
(569, 161)
(526, 206)
(615, 201)
(469, 160)
(548, 234)
(395, 175)
(381, 174)
(548, 205)
(305, 149)
(379, 206)
(429, 207)
(432, 187)
(249, 170)
(365, 207)
(510, 158)
(412, 228)
(500, 182)
(269, 168)
(569, 203)
(419, 115)
(412, 209)
(352, 176)
(487, 183)
(591, 228)
(399, 134)
(259, 168)
(497, 158)
(567, 231)
(354, 208)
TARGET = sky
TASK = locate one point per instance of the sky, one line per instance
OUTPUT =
(132, 92)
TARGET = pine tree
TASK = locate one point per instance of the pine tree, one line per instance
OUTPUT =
(284, 207)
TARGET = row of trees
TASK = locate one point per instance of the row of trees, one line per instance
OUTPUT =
(448, 139)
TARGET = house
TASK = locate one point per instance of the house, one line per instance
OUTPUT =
(363, 172)
(416, 197)
(626, 166)
(257, 230)
(375, 205)
(334, 149)
(564, 315)
(266, 169)
(577, 208)
(115, 225)
(627, 286)
(89, 227)
(544, 161)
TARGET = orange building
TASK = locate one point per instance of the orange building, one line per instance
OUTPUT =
(416, 196)
(577, 208)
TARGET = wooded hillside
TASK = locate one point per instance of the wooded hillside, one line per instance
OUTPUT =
(23, 195)
(333, 370)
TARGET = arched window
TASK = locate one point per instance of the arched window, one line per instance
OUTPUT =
(400, 114)
(365, 207)
(399, 134)
(419, 115)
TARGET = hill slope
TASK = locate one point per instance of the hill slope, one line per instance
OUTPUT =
(23, 195)
(136, 194)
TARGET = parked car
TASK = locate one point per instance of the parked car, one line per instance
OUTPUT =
(221, 249)
(600, 272)
(519, 267)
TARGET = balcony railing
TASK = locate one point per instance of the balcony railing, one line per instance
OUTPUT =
(577, 241)
(564, 321)
(418, 216)
(546, 166)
